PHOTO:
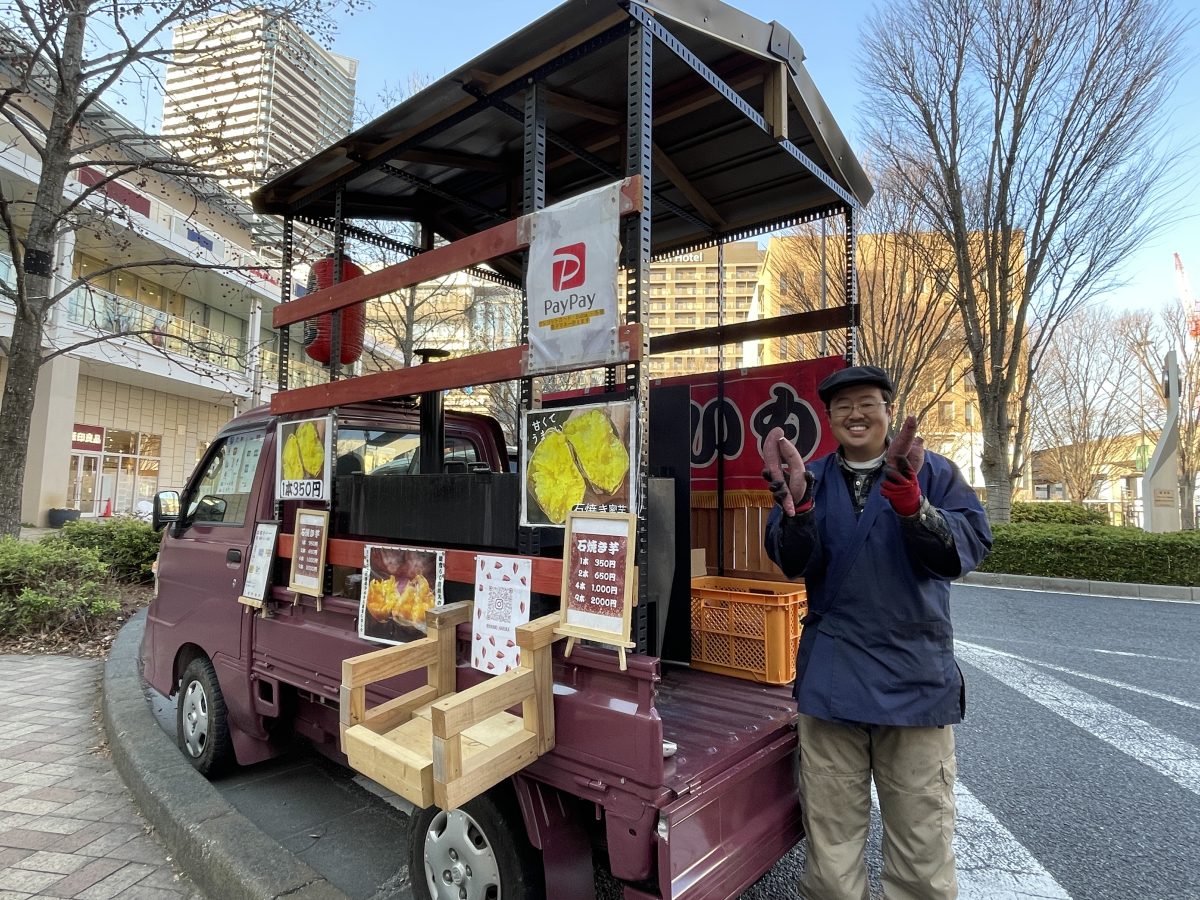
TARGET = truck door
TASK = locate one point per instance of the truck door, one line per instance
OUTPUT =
(202, 565)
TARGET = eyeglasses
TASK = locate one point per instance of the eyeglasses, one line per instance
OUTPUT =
(844, 408)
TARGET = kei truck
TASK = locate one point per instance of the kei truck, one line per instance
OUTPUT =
(583, 659)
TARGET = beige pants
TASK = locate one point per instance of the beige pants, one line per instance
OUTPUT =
(914, 772)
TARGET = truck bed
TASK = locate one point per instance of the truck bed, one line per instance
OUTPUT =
(716, 721)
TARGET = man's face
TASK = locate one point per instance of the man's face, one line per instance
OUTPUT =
(860, 421)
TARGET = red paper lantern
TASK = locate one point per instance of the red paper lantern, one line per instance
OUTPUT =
(318, 332)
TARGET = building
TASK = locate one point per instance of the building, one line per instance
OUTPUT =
(261, 93)
(905, 291)
(683, 296)
(153, 348)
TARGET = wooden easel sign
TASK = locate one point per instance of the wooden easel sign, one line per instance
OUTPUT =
(307, 575)
(598, 579)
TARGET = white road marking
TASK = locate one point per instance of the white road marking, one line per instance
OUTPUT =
(1057, 644)
(990, 862)
(1164, 753)
(1157, 695)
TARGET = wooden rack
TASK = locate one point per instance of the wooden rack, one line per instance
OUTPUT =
(436, 745)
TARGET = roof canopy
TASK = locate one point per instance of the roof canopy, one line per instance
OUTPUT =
(726, 89)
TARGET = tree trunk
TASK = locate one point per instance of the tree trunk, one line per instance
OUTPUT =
(16, 410)
(995, 461)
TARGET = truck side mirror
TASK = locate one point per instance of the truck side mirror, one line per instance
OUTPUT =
(166, 509)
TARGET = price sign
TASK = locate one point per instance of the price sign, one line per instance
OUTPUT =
(258, 569)
(598, 578)
(308, 552)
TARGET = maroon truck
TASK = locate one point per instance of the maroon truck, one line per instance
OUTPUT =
(680, 781)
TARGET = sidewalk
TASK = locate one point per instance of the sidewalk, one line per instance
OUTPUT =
(68, 827)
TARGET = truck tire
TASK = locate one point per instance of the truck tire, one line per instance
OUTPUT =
(201, 721)
(477, 852)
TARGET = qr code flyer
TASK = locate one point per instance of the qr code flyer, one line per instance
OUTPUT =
(502, 595)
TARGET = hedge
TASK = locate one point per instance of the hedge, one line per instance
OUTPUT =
(1095, 553)
(129, 546)
(1058, 514)
(50, 587)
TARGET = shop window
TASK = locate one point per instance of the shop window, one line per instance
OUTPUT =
(222, 495)
(116, 441)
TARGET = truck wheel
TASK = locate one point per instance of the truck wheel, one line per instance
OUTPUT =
(201, 722)
(476, 852)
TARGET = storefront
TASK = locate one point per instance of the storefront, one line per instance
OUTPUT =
(112, 472)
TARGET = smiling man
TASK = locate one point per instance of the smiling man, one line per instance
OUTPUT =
(878, 529)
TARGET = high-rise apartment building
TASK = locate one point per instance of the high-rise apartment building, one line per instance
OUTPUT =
(253, 94)
(683, 296)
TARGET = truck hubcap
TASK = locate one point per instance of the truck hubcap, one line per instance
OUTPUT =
(460, 862)
(195, 719)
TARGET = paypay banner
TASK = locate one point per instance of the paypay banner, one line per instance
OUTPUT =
(571, 282)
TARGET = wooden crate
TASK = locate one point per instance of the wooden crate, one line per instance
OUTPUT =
(436, 745)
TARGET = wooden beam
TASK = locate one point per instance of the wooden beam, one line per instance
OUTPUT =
(507, 237)
(462, 371)
(834, 318)
(583, 108)
(450, 160)
(694, 197)
(460, 564)
(775, 100)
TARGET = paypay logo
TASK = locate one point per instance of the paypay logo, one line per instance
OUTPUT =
(569, 267)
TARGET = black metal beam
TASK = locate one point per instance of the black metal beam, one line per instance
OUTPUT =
(833, 318)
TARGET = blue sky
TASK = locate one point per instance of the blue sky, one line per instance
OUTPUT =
(400, 38)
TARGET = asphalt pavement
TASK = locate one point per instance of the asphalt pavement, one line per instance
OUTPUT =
(1079, 773)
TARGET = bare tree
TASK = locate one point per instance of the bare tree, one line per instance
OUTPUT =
(58, 61)
(1032, 135)
(1082, 411)
(1149, 338)
(904, 275)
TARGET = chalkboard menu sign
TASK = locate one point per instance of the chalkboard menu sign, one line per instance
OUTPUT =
(598, 579)
(308, 552)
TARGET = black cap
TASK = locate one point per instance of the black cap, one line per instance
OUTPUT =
(855, 375)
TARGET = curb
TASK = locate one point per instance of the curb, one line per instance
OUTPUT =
(220, 850)
(1120, 589)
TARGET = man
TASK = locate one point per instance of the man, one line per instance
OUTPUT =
(878, 529)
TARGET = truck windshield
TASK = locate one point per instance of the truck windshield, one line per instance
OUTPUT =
(374, 451)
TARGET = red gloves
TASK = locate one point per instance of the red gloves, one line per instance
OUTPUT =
(900, 488)
(905, 457)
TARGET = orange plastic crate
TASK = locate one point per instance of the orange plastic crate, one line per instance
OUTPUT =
(747, 629)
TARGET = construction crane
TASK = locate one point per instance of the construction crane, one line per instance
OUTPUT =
(1186, 298)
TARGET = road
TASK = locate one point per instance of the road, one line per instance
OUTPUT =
(1079, 762)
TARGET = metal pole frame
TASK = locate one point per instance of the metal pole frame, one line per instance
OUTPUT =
(637, 246)
(285, 294)
(339, 256)
(851, 288)
(676, 46)
(720, 411)
(533, 200)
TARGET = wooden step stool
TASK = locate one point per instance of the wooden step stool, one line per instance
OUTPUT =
(435, 745)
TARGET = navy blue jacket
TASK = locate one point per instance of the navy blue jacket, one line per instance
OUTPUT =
(877, 645)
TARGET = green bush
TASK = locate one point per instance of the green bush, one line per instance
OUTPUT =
(50, 587)
(1058, 514)
(129, 546)
(1096, 553)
